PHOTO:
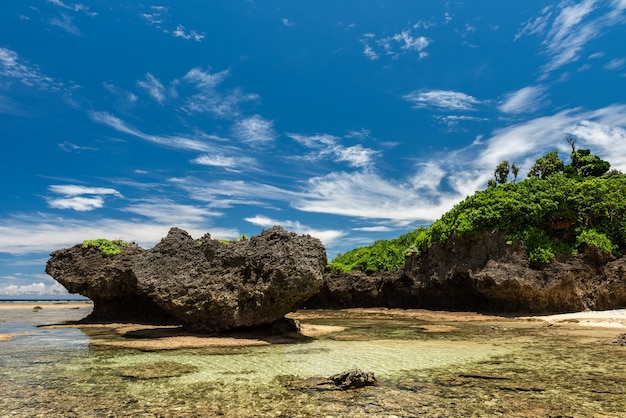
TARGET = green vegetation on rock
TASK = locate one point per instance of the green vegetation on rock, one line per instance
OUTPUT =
(382, 255)
(106, 247)
(558, 209)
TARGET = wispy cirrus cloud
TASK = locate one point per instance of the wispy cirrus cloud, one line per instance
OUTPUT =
(615, 64)
(233, 163)
(14, 69)
(66, 22)
(159, 17)
(173, 141)
(215, 154)
(328, 147)
(567, 27)
(153, 87)
(167, 211)
(441, 100)
(255, 130)
(208, 99)
(9, 107)
(525, 100)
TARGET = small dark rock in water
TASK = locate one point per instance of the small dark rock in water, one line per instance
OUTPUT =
(37, 308)
(621, 340)
(353, 379)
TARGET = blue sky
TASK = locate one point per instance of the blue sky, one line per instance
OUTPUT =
(349, 120)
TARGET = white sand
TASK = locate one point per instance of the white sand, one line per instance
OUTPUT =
(615, 318)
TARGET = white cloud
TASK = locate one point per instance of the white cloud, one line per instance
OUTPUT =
(400, 43)
(327, 146)
(125, 97)
(379, 228)
(9, 107)
(204, 79)
(429, 175)
(234, 163)
(615, 64)
(79, 198)
(153, 87)
(167, 211)
(286, 22)
(441, 99)
(355, 156)
(602, 130)
(208, 99)
(43, 234)
(15, 69)
(77, 203)
(568, 27)
(76, 190)
(525, 100)
(453, 121)
(255, 130)
(179, 142)
(66, 23)
(409, 42)
(368, 195)
(180, 32)
(69, 147)
(40, 289)
(327, 236)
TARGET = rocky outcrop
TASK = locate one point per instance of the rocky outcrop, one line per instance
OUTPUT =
(205, 284)
(486, 273)
(359, 289)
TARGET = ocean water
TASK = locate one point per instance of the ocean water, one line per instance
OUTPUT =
(502, 368)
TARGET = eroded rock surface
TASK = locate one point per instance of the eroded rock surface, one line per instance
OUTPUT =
(486, 273)
(205, 284)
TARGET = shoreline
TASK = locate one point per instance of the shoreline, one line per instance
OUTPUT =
(9, 304)
(614, 318)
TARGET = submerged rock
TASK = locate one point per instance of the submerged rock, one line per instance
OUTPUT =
(353, 379)
(205, 284)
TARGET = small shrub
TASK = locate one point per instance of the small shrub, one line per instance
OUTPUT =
(593, 237)
(107, 248)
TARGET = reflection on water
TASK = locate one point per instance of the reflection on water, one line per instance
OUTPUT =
(472, 369)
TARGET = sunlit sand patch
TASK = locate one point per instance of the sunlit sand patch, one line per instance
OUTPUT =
(615, 318)
(5, 337)
(310, 330)
(172, 337)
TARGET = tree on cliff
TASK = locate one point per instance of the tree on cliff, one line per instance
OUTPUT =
(547, 165)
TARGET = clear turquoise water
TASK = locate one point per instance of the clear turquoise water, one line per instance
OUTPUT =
(477, 369)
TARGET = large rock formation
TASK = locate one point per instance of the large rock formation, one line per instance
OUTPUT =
(205, 284)
(486, 273)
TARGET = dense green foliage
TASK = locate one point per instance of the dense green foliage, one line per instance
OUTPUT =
(382, 255)
(557, 209)
(106, 247)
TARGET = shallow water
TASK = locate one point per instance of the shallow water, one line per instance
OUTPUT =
(482, 369)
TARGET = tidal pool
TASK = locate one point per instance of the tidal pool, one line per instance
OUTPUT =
(426, 366)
